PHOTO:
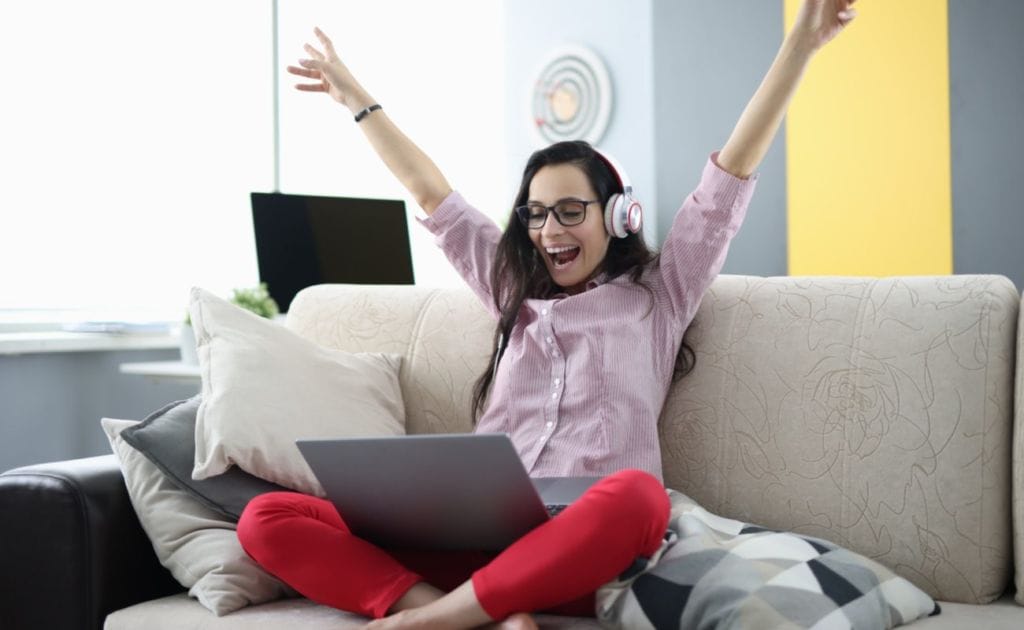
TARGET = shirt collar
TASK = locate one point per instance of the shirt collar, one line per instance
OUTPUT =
(597, 280)
(593, 283)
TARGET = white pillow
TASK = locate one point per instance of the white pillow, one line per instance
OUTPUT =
(197, 545)
(265, 387)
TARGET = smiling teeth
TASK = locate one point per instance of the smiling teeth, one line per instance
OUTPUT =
(559, 250)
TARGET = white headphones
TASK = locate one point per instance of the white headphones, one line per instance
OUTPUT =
(623, 214)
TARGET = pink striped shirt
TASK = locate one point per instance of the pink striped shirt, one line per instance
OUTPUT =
(584, 377)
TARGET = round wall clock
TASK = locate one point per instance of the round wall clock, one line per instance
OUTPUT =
(572, 97)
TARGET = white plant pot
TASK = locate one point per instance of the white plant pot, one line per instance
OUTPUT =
(188, 346)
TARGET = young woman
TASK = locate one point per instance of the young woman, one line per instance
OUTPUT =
(590, 327)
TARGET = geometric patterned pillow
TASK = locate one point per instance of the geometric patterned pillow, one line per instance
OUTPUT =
(721, 573)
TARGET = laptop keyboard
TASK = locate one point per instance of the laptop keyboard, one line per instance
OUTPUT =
(555, 510)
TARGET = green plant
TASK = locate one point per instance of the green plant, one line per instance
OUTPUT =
(255, 299)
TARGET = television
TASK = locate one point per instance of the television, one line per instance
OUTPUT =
(302, 240)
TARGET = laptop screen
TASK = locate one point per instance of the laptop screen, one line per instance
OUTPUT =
(302, 240)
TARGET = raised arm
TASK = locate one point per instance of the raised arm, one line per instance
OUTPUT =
(816, 24)
(410, 165)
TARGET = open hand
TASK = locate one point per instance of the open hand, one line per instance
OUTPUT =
(328, 72)
(819, 21)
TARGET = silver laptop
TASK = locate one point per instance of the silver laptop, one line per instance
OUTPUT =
(443, 492)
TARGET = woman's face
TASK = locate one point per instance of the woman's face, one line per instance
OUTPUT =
(573, 255)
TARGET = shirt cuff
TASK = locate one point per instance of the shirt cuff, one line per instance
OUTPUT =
(727, 186)
(444, 213)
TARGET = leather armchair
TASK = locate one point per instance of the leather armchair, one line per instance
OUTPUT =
(71, 547)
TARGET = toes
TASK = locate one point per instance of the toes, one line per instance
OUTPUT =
(519, 621)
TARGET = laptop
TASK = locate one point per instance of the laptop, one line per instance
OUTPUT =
(439, 492)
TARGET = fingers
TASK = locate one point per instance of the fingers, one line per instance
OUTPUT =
(303, 72)
(845, 11)
(313, 52)
(324, 40)
(311, 68)
(310, 71)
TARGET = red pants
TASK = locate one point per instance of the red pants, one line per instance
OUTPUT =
(556, 568)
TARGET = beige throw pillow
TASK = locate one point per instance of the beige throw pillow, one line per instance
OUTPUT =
(265, 387)
(197, 545)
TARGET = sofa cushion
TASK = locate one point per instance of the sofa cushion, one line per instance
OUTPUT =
(263, 387)
(167, 438)
(197, 545)
(445, 337)
(875, 413)
(178, 612)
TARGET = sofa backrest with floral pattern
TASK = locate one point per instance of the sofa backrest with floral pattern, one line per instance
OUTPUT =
(876, 413)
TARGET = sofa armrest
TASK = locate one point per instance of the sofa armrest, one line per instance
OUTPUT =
(71, 547)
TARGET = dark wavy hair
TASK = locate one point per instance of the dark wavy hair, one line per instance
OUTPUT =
(520, 274)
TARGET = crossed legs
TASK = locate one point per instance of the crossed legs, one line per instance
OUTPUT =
(557, 567)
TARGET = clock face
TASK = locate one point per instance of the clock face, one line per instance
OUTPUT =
(572, 97)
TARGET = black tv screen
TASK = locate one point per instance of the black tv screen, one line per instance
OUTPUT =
(302, 240)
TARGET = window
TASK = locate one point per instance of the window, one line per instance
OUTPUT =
(438, 69)
(133, 132)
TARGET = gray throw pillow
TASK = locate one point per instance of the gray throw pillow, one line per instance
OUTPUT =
(167, 438)
(197, 545)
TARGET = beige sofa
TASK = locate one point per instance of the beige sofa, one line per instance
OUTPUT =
(876, 413)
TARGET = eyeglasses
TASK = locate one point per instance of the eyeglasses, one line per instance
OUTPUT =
(568, 212)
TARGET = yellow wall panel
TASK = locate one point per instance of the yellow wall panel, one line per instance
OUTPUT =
(867, 143)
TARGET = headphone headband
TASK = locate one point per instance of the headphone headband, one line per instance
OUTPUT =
(616, 169)
(622, 214)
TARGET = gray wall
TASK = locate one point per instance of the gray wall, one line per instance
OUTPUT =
(986, 68)
(619, 32)
(709, 58)
(51, 404)
(682, 72)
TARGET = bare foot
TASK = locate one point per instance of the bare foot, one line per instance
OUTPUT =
(419, 595)
(401, 619)
(457, 609)
(518, 621)
(412, 619)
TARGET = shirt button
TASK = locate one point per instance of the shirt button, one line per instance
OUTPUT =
(542, 438)
(554, 394)
(551, 424)
(543, 311)
(550, 340)
(558, 381)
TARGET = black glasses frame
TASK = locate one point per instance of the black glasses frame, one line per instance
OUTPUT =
(523, 212)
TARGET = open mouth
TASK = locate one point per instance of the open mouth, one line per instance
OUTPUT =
(562, 257)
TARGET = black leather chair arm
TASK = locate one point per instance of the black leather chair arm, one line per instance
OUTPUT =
(71, 547)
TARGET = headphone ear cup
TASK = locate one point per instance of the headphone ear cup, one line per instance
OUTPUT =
(633, 217)
(614, 219)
